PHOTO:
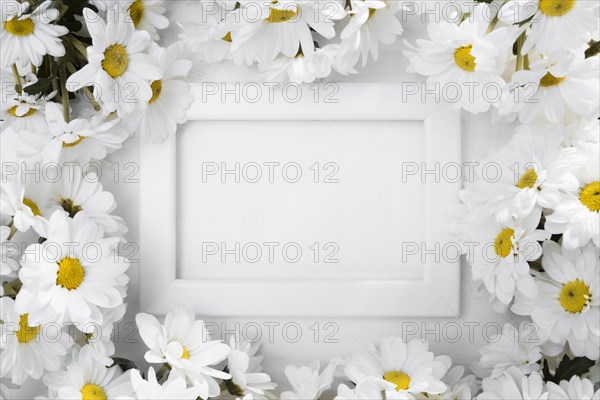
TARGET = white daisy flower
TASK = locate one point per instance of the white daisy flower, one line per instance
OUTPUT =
(582, 131)
(76, 192)
(21, 111)
(553, 87)
(567, 308)
(246, 371)
(79, 140)
(362, 391)
(180, 343)
(171, 95)
(284, 26)
(300, 69)
(118, 67)
(403, 370)
(72, 274)
(146, 15)
(8, 265)
(555, 24)
(212, 39)
(506, 246)
(468, 56)
(99, 338)
(514, 384)
(173, 388)
(574, 389)
(27, 38)
(25, 201)
(86, 379)
(371, 22)
(460, 386)
(511, 348)
(534, 169)
(29, 350)
(308, 383)
(577, 216)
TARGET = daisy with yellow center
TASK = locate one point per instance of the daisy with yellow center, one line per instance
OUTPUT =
(501, 262)
(468, 57)
(185, 351)
(67, 272)
(26, 202)
(401, 369)
(27, 38)
(171, 95)
(87, 379)
(21, 111)
(567, 305)
(34, 350)
(116, 64)
(553, 77)
(577, 216)
(554, 24)
(283, 27)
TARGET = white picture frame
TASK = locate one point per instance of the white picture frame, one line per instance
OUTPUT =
(437, 294)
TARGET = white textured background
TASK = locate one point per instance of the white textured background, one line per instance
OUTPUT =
(477, 317)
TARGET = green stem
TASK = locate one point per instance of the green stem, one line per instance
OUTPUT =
(79, 46)
(64, 92)
(13, 230)
(520, 58)
(17, 77)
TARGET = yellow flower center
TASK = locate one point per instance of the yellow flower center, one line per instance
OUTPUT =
(70, 273)
(503, 243)
(136, 12)
(574, 296)
(590, 196)
(13, 112)
(73, 144)
(156, 87)
(34, 207)
(227, 37)
(69, 206)
(115, 60)
(186, 354)
(556, 8)
(528, 179)
(464, 59)
(372, 12)
(277, 16)
(19, 27)
(26, 333)
(92, 392)
(550, 80)
(398, 378)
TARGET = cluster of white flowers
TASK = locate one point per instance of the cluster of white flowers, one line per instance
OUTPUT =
(524, 59)
(531, 222)
(79, 78)
(294, 39)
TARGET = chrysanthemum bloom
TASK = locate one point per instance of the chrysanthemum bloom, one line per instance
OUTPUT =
(118, 66)
(555, 24)
(73, 274)
(27, 349)
(180, 343)
(401, 369)
(27, 38)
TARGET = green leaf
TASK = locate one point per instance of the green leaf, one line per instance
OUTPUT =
(41, 86)
(124, 363)
(568, 368)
